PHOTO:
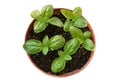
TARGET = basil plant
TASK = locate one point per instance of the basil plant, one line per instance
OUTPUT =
(34, 46)
(44, 17)
(73, 24)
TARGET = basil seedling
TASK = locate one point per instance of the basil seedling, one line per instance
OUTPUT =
(44, 17)
(74, 22)
(75, 17)
(34, 46)
(70, 48)
(86, 42)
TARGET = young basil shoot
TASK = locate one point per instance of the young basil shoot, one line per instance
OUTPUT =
(70, 48)
(74, 22)
(44, 17)
(34, 46)
(85, 41)
(75, 17)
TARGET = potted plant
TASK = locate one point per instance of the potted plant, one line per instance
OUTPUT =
(59, 41)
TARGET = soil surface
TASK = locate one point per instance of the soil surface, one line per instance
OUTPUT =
(43, 62)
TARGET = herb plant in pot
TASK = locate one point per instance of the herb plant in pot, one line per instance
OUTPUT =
(59, 41)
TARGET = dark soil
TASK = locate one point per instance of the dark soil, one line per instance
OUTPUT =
(43, 62)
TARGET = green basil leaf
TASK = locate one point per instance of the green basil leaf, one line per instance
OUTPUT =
(67, 25)
(47, 11)
(46, 41)
(58, 65)
(67, 13)
(61, 54)
(67, 57)
(75, 32)
(88, 44)
(39, 26)
(56, 42)
(81, 40)
(80, 22)
(55, 21)
(32, 46)
(64, 56)
(71, 46)
(35, 14)
(45, 50)
(43, 19)
(77, 12)
(87, 34)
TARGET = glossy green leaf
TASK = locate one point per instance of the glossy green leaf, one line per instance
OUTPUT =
(61, 54)
(77, 12)
(39, 26)
(45, 50)
(32, 46)
(87, 34)
(67, 25)
(71, 46)
(75, 32)
(88, 44)
(56, 21)
(81, 40)
(35, 14)
(47, 11)
(40, 18)
(67, 57)
(67, 13)
(46, 41)
(80, 22)
(64, 55)
(56, 42)
(58, 65)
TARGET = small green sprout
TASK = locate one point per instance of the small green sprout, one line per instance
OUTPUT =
(44, 17)
(74, 17)
(70, 48)
(34, 46)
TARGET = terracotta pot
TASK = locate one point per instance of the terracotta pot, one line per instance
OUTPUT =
(56, 11)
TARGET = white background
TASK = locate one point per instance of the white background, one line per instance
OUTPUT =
(104, 17)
